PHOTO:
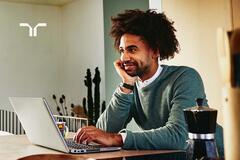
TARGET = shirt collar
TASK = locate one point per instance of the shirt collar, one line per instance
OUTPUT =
(140, 84)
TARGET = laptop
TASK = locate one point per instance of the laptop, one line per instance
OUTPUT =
(41, 129)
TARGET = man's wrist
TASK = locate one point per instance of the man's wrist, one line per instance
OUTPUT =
(126, 88)
(117, 140)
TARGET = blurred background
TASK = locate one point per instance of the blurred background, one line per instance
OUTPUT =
(77, 37)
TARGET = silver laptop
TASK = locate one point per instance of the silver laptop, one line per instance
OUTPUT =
(41, 129)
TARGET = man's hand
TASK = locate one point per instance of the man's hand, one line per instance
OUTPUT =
(123, 74)
(92, 134)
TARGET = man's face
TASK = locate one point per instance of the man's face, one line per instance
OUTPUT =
(138, 59)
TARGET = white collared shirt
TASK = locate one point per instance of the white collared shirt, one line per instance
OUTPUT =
(140, 84)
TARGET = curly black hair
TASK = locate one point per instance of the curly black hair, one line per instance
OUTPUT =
(154, 28)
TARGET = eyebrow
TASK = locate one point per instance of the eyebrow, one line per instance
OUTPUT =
(129, 47)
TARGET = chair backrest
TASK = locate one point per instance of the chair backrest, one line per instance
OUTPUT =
(9, 123)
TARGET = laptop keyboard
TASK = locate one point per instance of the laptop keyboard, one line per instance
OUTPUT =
(72, 144)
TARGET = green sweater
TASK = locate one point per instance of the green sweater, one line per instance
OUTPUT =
(158, 110)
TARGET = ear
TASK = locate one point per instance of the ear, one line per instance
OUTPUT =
(155, 54)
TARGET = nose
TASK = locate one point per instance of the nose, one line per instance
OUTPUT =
(125, 56)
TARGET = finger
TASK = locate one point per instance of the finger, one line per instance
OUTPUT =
(94, 139)
(84, 134)
(76, 134)
(118, 64)
(80, 134)
(84, 142)
(98, 136)
(90, 136)
(83, 137)
(80, 137)
(89, 140)
(80, 131)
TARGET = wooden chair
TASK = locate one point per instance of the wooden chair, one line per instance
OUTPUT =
(10, 123)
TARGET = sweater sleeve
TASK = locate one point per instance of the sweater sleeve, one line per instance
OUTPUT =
(185, 89)
(117, 114)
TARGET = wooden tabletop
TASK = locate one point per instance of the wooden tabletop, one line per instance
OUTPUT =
(15, 147)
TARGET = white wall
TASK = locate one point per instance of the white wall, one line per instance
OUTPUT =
(28, 66)
(83, 43)
(156, 5)
(196, 23)
(55, 61)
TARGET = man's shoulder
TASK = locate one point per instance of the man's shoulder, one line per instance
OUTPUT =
(179, 74)
(183, 78)
(178, 70)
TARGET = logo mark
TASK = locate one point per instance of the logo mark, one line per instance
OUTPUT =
(32, 31)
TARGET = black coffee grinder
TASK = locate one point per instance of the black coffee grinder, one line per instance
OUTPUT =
(201, 122)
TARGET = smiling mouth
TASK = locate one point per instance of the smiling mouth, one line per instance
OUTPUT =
(129, 67)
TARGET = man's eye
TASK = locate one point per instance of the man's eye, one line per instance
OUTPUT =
(132, 50)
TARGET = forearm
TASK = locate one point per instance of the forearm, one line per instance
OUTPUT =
(117, 140)
(172, 135)
(116, 114)
(167, 137)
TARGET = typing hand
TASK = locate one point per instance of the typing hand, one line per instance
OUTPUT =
(92, 134)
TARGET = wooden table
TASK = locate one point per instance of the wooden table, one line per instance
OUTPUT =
(13, 147)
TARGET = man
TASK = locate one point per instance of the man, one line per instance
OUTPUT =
(153, 94)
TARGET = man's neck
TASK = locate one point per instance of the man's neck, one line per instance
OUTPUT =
(141, 84)
(151, 72)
